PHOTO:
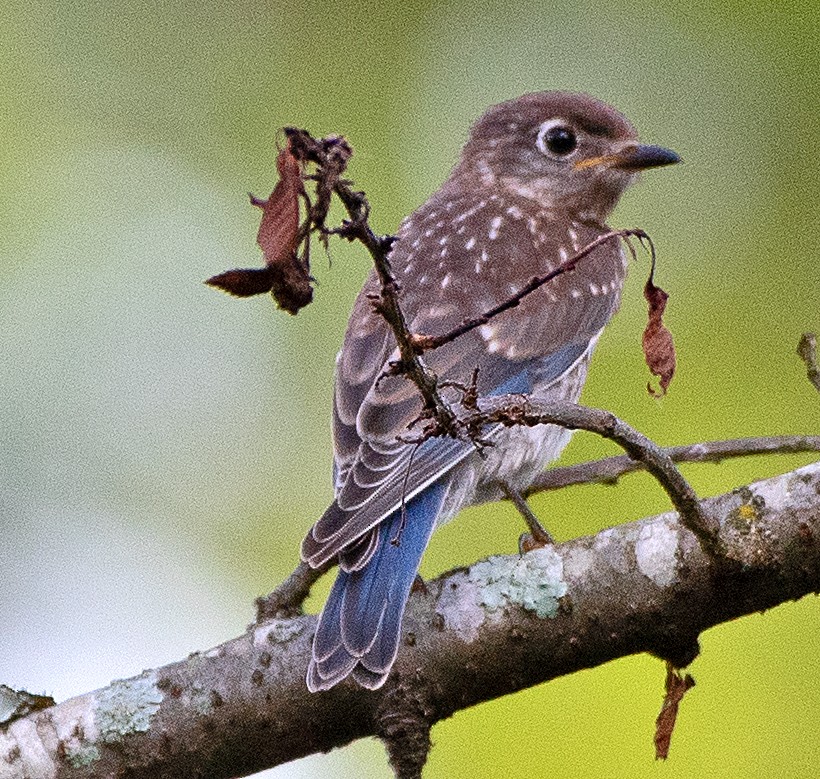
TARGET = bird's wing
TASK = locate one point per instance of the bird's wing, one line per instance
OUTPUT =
(533, 344)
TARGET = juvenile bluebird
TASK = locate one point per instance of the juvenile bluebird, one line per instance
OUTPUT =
(535, 183)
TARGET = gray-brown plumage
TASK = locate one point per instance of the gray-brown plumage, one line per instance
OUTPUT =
(535, 183)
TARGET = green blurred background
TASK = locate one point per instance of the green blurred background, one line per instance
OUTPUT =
(165, 447)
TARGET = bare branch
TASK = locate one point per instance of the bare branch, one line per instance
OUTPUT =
(610, 469)
(287, 599)
(472, 635)
(807, 351)
(513, 410)
(331, 156)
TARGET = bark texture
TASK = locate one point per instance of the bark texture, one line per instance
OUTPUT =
(473, 634)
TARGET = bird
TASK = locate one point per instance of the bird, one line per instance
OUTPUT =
(535, 182)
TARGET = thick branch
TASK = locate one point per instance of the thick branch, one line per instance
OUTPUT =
(472, 635)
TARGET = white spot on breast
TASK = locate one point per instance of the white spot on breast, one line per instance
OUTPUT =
(563, 254)
(470, 243)
(440, 223)
(445, 282)
(604, 289)
(485, 172)
(442, 241)
(515, 212)
(493, 347)
(443, 252)
(470, 211)
(495, 225)
(575, 293)
(423, 278)
(594, 289)
(486, 332)
(428, 232)
(573, 236)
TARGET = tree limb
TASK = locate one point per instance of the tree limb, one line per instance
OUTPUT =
(610, 469)
(472, 635)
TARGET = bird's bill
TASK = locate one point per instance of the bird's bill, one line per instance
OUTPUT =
(633, 157)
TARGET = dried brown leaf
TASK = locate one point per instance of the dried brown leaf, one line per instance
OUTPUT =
(658, 346)
(243, 282)
(676, 687)
(278, 234)
(285, 276)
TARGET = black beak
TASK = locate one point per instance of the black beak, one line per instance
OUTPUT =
(643, 156)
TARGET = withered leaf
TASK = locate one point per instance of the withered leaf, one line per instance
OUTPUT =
(658, 346)
(243, 282)
(285, 276)
(676, 687)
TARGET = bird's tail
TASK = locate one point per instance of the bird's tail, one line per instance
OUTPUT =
(358, 632)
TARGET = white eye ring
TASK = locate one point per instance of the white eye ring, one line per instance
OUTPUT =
(545, 129)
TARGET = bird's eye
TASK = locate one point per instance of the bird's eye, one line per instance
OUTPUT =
(560, 140)
(557, 139)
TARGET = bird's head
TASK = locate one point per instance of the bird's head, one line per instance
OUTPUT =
(566, 151)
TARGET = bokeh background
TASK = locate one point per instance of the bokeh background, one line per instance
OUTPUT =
(163, 447)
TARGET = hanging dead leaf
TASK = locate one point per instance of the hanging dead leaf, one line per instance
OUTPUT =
(658, 346)
(286, 276)
(676, 687)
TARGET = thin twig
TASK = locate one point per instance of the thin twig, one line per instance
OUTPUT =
(286, 600)
(331, 155)
(610, 469)
(388, 306)
(426, 342)
(510, 410)
(807, 351)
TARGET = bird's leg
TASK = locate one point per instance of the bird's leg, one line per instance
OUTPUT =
(538, 536)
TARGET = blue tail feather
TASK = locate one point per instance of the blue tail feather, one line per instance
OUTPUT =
(360, 626)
